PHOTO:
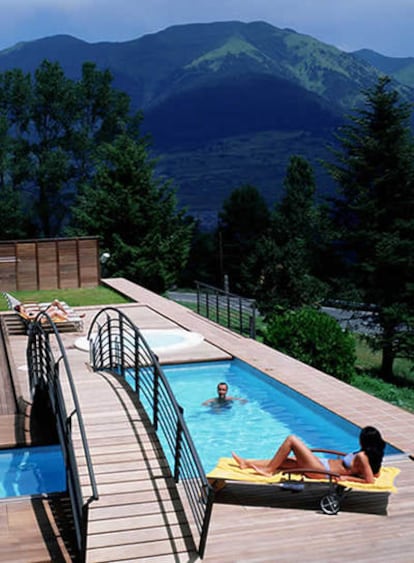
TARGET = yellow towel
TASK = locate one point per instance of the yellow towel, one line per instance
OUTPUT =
(227, 469)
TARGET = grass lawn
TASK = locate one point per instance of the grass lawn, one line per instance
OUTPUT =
(368, 360)
(368, 363)
(99, 295)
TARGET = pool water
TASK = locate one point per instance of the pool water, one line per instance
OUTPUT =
(254, 429)
(31, 471)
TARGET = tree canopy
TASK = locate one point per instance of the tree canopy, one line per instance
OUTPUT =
(50, 127)
(73, 161)
(374, 214)
(281, 269)
(135, 216)
(243, 218)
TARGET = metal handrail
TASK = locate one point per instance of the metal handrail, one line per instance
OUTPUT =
(44, 373)
(228, 309)
(117, 345)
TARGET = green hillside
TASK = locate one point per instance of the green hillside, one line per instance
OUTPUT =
(400, 68)
(226, 103)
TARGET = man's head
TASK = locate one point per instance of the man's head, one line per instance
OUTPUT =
(222, 390)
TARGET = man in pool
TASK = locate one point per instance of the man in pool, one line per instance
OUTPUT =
(222, 399)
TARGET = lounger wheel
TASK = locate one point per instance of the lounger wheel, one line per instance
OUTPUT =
(330, 504)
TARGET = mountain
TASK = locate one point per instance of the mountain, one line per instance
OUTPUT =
(400, 68)
(226, 103)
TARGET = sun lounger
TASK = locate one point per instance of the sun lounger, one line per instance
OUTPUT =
(73, 321)
(295, 480)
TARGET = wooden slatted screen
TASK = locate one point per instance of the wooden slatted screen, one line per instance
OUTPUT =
(49, 263)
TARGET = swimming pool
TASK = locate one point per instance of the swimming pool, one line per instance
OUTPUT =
(159, 340)
(31, 471)
(256, 428)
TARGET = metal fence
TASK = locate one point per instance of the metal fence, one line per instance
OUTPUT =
(118, 346)
(227, 309)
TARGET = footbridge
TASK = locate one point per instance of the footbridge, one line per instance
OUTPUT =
(126, 501)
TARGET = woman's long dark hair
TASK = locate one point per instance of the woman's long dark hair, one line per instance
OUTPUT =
(373, 445)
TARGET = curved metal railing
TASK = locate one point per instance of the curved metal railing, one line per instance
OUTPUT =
(117, 345)
(44, 372)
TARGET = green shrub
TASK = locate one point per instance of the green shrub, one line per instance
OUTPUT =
(314, 338)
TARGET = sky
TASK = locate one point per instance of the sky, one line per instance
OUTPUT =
(384, 26)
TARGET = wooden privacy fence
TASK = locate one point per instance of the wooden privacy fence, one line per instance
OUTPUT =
(49, 263)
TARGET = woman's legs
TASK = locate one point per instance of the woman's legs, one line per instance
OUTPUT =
(58, 305)
(56, 311)
(281, 460)
(244, 463)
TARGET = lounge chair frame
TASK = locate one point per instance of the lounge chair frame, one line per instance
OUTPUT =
(73, 321)
(295, 480)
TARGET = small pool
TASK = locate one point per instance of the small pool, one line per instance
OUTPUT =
(254, 429)
(159, 340)
(31, 471)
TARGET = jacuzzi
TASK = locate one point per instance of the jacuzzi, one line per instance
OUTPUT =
(159, 340)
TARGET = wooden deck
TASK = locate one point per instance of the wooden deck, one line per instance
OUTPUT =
(139, 517)
(138, 511)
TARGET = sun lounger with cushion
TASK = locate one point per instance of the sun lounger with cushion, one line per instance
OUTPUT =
(330, 503)
(73, 321)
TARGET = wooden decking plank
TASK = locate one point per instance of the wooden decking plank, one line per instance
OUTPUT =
(29, 533)
(142, 521)
(168, 547)
(121, 510)
(158, 532)
(124, 449)
(109, 466)
(175, 558)
(164, 498)
(154, 484)
(99, 441)
(134, 478)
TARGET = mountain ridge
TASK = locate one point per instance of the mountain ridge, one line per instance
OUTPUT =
(213, 92)
(285, 53)
(400, 68)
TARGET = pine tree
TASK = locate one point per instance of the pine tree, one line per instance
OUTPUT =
(285, 258)
(134, 216)
(243, 218)
(374, 214)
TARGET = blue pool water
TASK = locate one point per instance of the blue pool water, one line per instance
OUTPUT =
(31, 471)
(256, 428)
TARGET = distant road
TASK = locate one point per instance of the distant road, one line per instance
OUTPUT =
(183, 297)
(352, 320)
(358, 321)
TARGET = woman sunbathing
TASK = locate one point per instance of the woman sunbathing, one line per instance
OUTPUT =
(55, 310)
(361, 466)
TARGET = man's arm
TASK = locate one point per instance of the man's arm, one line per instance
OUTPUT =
(237, 399)
(208, 402)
